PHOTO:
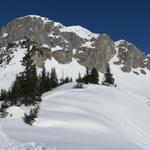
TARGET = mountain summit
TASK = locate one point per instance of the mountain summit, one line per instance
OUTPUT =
(65, 45)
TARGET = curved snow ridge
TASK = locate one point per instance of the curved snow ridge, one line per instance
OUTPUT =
(103, 114)
(117, 43)
(80, 31)
(120, 111)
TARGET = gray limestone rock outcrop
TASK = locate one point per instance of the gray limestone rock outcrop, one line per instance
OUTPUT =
(103, 51)
(131, 57)
(66, 45)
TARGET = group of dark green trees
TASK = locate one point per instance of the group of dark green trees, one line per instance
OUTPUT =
(28, 86)
(108, 78)
(93, 77)
(33, 114)
(90, 77)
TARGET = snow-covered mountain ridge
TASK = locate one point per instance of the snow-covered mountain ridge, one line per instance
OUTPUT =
(69, 49)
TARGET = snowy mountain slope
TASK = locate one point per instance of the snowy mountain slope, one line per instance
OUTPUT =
(69, 49)
(138, 84)
(96, 117)
(93, 118)
(72, 69)
(9, 71)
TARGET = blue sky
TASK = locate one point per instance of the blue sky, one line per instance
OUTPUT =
(121, 19)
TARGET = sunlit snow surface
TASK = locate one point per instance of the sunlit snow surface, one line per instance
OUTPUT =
(96, 117)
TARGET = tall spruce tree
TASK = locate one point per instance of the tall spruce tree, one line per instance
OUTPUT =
(86, 78)
(43, 80)
(53, 78)
(79, 81)
(30, 119)
(26, 83)
(108, 77)
(47, 82)
(94, 76)
(3, 95)
(31, 89)
(17, 90)
(67, 80)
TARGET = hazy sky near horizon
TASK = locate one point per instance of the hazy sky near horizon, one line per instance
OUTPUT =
(121, 19)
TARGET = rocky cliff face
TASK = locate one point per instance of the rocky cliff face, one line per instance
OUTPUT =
(130, 57)
(66, 43)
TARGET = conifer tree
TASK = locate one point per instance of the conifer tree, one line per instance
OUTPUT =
(71, 80)
(30, 119)
(17, 89)
(26, 84)
(108, 77)
(67, 80)
(94, 76)
(79, 81)
(47, 83)
(86, 78)
(3, 106)
(43, 81)
(3, 95)
(62, 80)
(53, 78)
(31, 85)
